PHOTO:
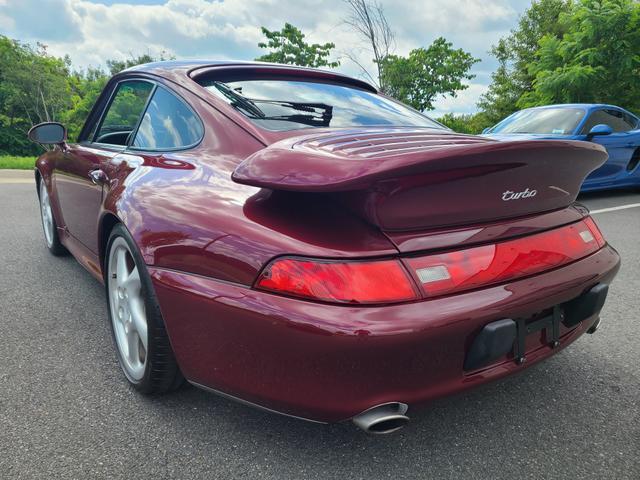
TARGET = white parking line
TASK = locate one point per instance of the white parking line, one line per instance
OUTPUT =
(613, 209)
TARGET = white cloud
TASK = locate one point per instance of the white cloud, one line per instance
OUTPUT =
(463, 102)
(6, 22)
(91, 32)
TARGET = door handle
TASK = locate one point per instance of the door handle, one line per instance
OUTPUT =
(98, 177)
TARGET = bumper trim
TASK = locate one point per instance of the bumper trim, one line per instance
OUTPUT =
(586, 305)
(498, 338)
(251, 404)
(495, 340)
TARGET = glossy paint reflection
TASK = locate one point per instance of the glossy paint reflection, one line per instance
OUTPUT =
(192, 217)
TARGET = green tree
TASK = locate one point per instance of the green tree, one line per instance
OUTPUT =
(34, 83)
(466, 123)
(516, 52)
(33, 89)
(288, 47)
(427, 73)
(596, 60)
(116, 66)
(85, 86)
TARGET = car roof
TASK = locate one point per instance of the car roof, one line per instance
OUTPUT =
(181, 65)
(173, 68)
(587, 106)
(191, 73)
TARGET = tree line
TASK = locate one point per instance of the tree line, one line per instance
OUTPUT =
(561, 51)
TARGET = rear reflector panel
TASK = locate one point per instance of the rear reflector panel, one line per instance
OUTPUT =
(444, 273)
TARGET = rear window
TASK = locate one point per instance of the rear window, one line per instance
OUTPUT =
(286, 104)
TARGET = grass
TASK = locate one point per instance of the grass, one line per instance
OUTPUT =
(20, 163)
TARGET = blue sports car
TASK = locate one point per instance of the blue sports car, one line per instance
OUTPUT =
(610, 126)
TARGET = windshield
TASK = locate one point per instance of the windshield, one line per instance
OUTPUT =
(550, 121)
(294, 104)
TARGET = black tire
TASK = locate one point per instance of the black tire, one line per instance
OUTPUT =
(161, 371)
(51, 239)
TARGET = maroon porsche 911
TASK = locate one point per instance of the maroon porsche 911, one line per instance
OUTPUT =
(294, 239)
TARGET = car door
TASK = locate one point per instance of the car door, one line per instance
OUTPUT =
(620, 145)
(80, 176)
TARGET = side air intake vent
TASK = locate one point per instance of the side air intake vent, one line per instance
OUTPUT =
(635, 160)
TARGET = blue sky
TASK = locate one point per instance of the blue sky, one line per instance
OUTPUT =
(92, 31)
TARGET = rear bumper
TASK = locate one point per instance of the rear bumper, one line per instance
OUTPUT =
(329, 363)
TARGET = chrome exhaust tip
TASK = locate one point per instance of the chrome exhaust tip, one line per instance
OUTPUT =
(594, 328)
(382, 419)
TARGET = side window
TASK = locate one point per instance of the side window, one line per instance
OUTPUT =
(614, 118)
(168, 123)
(631, 121)
(123, 112)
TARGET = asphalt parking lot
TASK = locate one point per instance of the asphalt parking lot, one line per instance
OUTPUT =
(66, 411)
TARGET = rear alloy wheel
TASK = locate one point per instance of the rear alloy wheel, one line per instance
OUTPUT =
(142, 344)
(49, 225)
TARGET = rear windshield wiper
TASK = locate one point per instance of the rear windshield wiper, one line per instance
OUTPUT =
(313, 114)
(238, 101)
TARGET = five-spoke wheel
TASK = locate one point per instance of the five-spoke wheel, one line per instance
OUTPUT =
(49, 225)
(127, 304)
(141, 340)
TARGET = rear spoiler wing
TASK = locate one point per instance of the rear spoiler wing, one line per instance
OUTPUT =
(408, 179)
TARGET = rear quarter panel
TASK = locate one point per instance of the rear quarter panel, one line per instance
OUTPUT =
(186, 213)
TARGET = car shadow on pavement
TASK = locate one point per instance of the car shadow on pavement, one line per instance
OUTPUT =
(509, 419)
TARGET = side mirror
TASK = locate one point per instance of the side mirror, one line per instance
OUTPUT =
(48, 133)
(486, 130)
(600, 129)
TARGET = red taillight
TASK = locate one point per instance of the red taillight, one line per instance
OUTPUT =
(382, 281)
(386, 281)
(471, 268)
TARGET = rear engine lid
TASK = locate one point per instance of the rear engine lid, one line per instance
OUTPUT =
(409, 179)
